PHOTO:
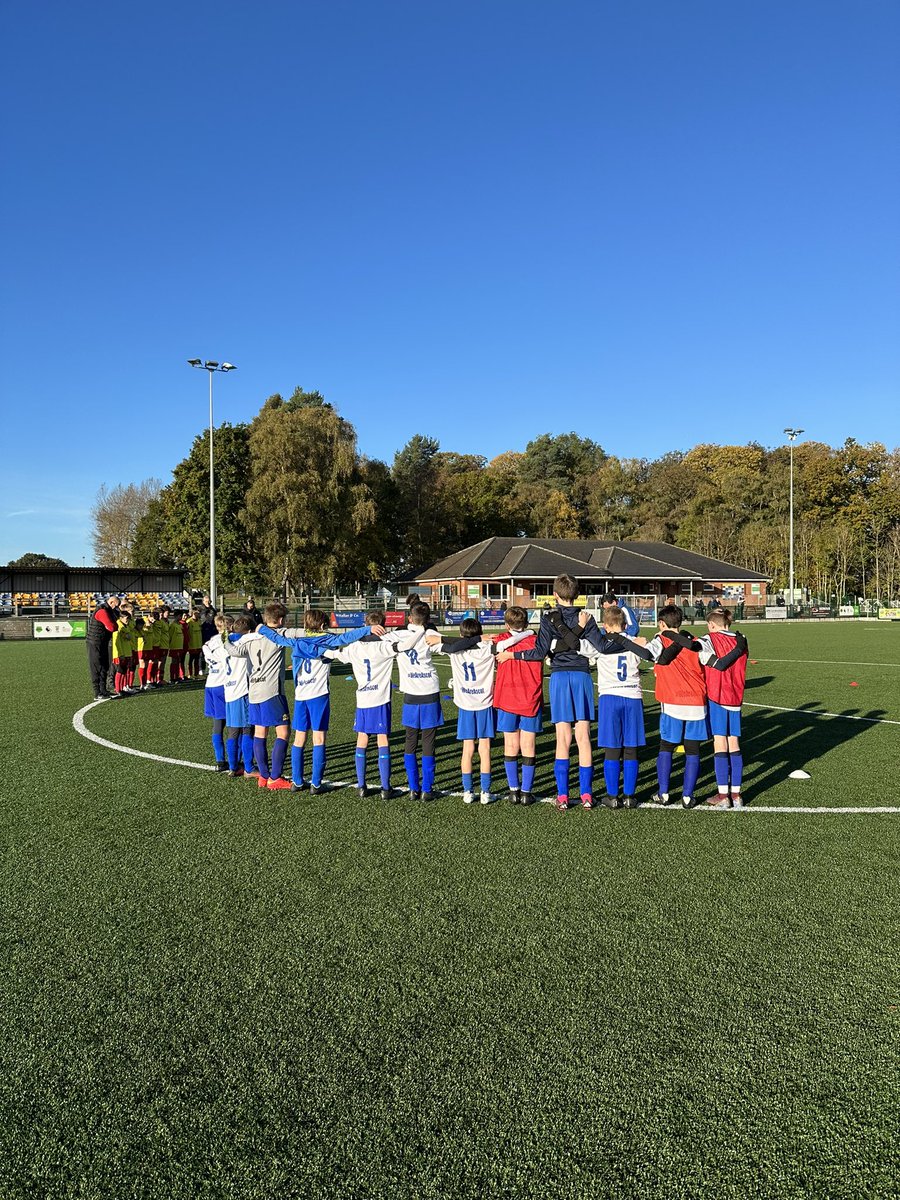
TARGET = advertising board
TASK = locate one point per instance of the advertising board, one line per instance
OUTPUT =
(60, 629)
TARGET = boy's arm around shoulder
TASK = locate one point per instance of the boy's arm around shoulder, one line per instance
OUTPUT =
(723, 663)
(457, 645)
(278, 636)
(542, 643)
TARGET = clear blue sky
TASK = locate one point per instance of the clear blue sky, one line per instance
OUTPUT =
(479, 220)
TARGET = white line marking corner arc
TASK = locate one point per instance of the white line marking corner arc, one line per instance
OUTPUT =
(80, 727)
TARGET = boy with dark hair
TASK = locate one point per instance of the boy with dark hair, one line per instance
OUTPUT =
(372, 662)
(632, 624)
(472, 664)
(571, 693)
(519, 700)
(681, 692)
(312, 677)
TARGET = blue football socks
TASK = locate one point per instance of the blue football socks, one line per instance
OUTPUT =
(512, 772)
(411, 762)
(720, 762)
(485, 781)
(360, 767)
(247, 751)
(528, 769)
(611, 773)
(629, 776)
(691, 772)
(664, 771)
(297, 765)
(585, 780)
(279, 752)
(384, 768)
(231, 751)
(737, 770)
(318, 765)
(561, 774)
(261, 754)
(467, 781)
(218, 745)
(428, 766)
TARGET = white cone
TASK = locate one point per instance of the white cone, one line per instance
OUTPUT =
(799, 775)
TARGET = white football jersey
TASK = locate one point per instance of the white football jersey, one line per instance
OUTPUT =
(473, 676)
(215, 654)
(418, 674)
(236, 677)
(373, 665)
(617, 674)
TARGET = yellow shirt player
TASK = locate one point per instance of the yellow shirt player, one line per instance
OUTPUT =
(143, 646)
(195, 641)
(122, 649)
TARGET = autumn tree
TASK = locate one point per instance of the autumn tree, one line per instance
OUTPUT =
(117, 513)
(307, 501)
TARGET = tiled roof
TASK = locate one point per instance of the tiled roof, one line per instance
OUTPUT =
(544, 558)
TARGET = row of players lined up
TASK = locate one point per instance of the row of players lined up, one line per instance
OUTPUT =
(497, 687)
(141, 647)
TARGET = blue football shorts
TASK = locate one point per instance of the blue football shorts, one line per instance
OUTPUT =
(508, 722)
(373, 720)
(724, 722)
(620, 721)
(312, 714)
(472, 724)
(214, 703)
(270, 712)
(237, 713)
(571, 697)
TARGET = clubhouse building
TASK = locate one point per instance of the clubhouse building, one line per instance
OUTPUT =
(517, 570)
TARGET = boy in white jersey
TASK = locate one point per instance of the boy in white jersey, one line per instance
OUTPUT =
(472, 664)
(422, 713)
(312, 678)
(237, 706)
(372, 661)
(268, 706)
(620, 708)
(214, 691)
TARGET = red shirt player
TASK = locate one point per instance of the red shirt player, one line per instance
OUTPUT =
(519, 699)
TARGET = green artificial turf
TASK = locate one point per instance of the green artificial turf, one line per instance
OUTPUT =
(211, 990)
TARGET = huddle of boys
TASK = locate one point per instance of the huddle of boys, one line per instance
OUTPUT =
(687, 671)
(497, 687)
(141, 645)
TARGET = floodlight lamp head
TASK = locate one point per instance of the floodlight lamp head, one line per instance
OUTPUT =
(793, 433)
(227, 367)
(194, 362)
(211, 366)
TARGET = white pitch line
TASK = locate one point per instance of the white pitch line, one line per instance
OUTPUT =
(808, 712)
(80, 727)
(337, 785)
(827, 662)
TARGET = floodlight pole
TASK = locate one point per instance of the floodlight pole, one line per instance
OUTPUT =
(793, 434)
(211, 368)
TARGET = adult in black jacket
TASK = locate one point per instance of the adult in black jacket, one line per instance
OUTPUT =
(101, 626)
(251, 612)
